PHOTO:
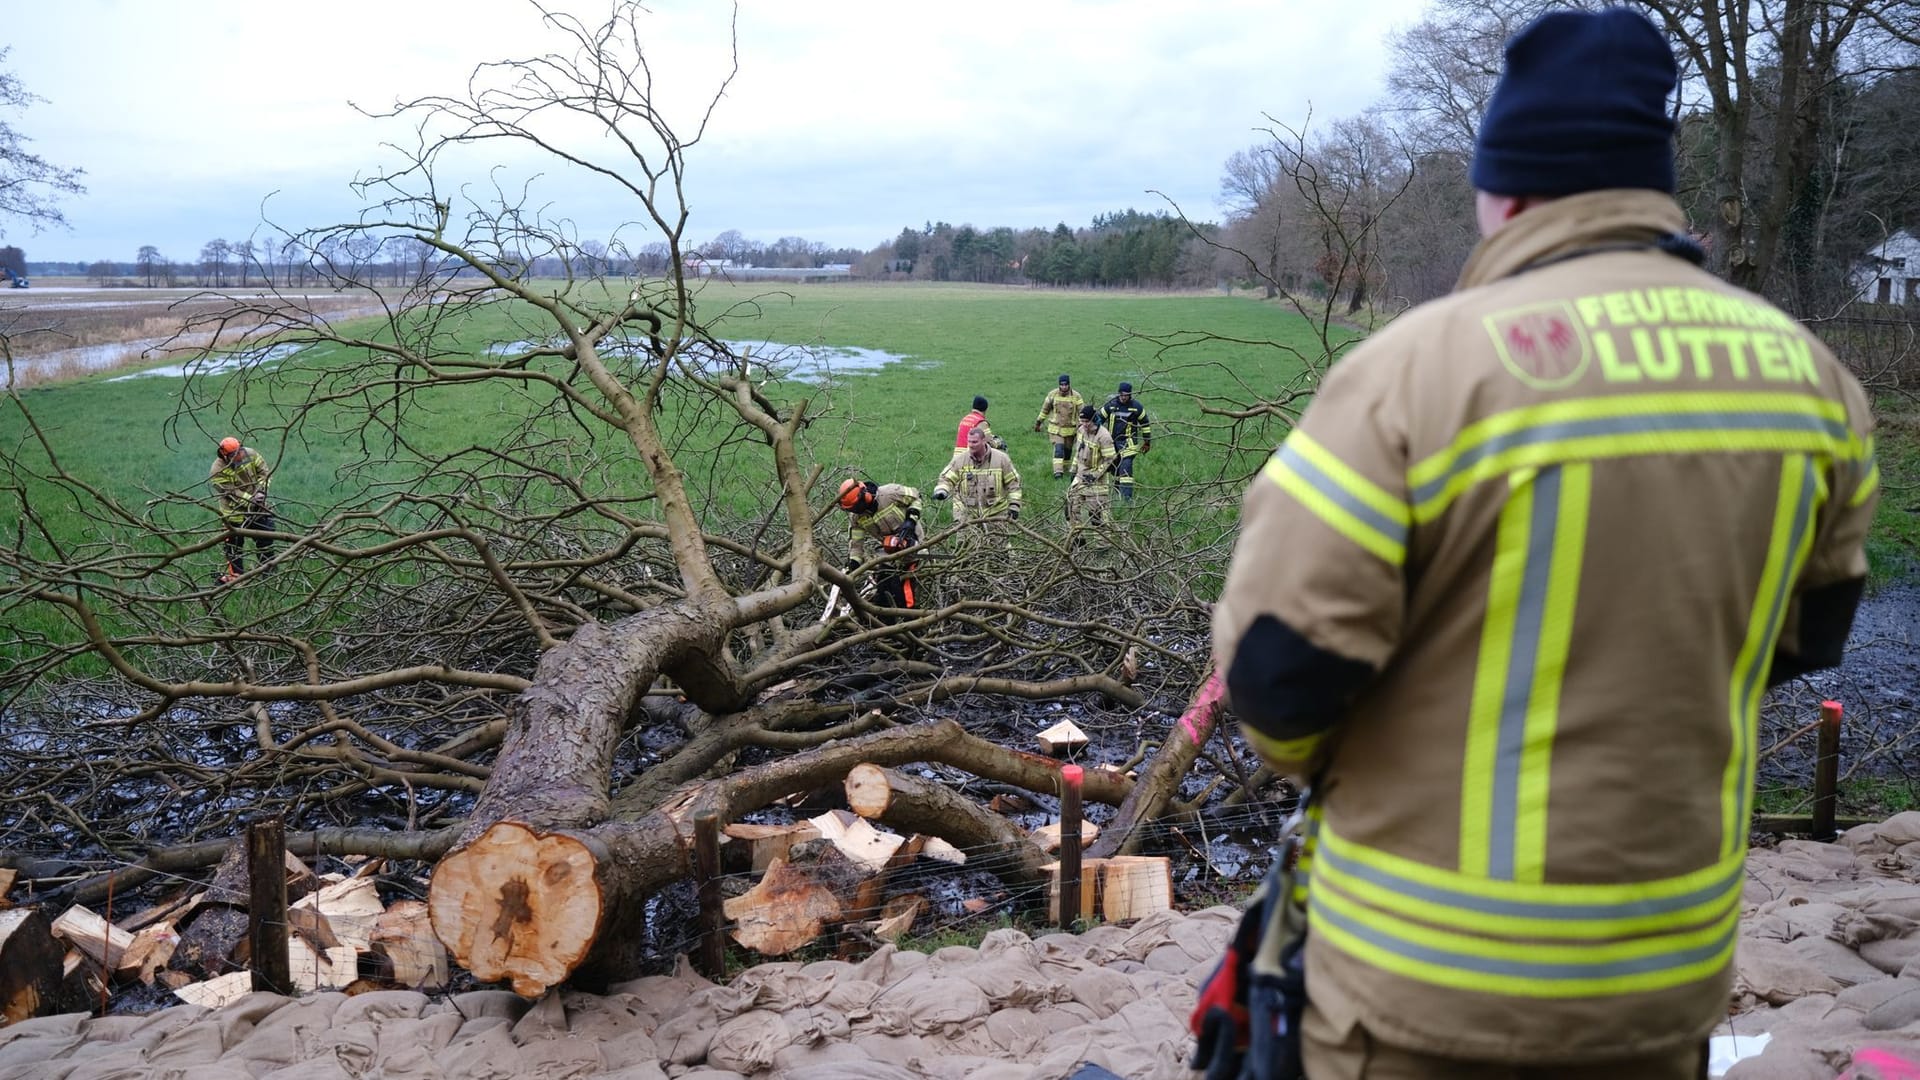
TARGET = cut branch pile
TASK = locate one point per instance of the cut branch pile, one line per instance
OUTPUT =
(196, 945)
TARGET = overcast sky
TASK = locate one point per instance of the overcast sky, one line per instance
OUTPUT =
(848, 119)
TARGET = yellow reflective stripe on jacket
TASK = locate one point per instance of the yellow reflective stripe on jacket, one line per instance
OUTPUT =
(1869, 483)
(1527, 939)
(1624, 425)
(1520, 968)
(1346, 501)
(1515, 709)
(1802, 490)
(1531, 909)
(1285, 755)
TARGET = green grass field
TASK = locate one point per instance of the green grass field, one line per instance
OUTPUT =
(895, 423)
(132, 439)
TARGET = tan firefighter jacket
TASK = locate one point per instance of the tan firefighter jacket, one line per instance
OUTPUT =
(985, 490)
(1060, 411)
(241, 484)
(890, 505)
(1564, 515)
(1093, 458)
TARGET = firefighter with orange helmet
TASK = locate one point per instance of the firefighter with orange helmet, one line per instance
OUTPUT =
(887, 515)
(239, 477)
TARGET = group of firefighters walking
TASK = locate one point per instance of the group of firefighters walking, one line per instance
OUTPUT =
(1094, 448)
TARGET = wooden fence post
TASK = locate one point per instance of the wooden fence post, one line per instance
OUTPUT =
(267, 905)
(712, 955)
(1826, 771)
(1071, 777)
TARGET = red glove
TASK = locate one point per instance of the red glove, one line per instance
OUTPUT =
(1219, 1019)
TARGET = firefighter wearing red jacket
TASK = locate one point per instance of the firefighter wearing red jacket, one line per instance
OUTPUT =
(976, 419)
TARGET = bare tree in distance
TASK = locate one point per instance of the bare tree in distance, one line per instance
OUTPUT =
(1443, 68)
(1320, 218)
(148, 262)
(31, 187)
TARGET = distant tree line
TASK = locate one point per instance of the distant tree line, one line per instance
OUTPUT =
(1127, 248)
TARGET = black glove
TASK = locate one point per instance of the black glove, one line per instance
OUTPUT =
(852, 565)
(1014, 513)
(906, 536)
(940, 495)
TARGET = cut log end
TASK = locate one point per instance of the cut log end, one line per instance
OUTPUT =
(517, 905)
(868, 793)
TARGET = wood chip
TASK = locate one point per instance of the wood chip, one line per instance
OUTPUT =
(942, 851)
(351, 905)
(1048, 835)
(102, 941)
(856, 838)
(217, 991)
(1061, 737)
(897, 916)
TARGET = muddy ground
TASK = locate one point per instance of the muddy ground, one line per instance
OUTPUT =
(1220, 853)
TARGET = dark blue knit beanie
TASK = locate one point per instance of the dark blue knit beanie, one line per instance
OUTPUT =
(1582, 105)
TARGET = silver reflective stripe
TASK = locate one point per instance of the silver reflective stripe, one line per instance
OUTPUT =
(1440, 895)
(1340, 496)
(1522, 658)
(1637, 424)
(1789, 571)
(1531, 969)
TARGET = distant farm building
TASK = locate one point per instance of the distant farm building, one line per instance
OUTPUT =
(701, 266)
(736, 270)
(1891, 272)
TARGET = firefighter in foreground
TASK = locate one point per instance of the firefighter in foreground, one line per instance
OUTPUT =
(239, 477)
(982, 480)
(1093, 462)
(886, 516)
(1060, 415)
(1132, 432)
(1509, 596)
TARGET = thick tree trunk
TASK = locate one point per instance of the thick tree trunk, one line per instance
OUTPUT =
(555, 764)
(537, 906)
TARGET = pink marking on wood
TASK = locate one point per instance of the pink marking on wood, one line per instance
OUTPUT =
(1197, 721)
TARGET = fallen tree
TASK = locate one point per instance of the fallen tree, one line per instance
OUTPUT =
(533, 655)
